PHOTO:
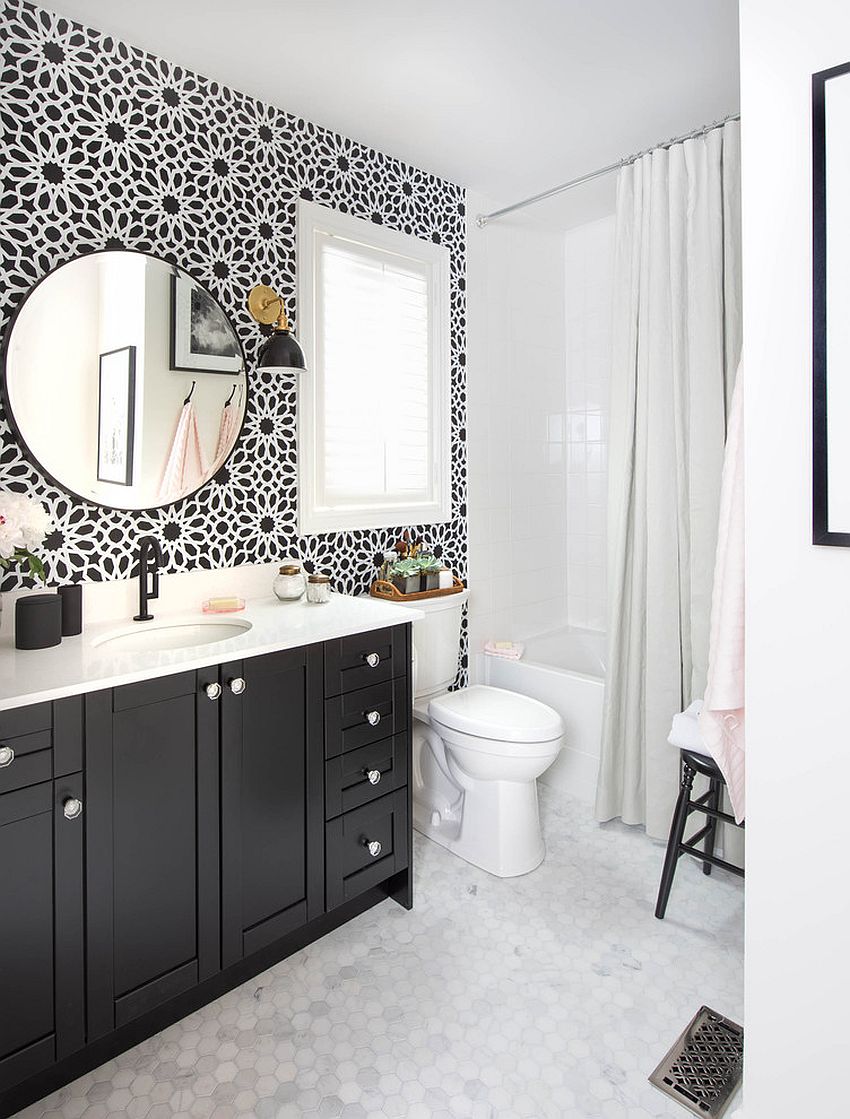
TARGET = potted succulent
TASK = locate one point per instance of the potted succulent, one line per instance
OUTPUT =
(405, 575)
(429, 573)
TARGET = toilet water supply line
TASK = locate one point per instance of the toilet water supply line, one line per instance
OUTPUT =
(482, 219)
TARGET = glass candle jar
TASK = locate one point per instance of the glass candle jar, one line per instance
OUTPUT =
(289, 584)
(318, 588)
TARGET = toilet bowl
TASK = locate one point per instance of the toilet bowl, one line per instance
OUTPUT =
(496, 744)
(477, 754)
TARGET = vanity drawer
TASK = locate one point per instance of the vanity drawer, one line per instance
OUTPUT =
(26, 720)
(352, 866)
(365, 658)
(347, 777)
(25, 760)
(357, 718)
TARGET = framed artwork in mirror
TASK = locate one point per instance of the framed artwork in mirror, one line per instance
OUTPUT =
(202, 338)
(831, 306)
(116, 416)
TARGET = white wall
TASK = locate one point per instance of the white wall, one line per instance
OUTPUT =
(798, 600)
(589, 278)
(516, 429)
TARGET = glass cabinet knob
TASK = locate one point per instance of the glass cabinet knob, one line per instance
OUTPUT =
(372, 659)
(7, 756)
(72, 808)
(237, 686)
(373, 846)
(373, 776)
(213, 691)
(373, 718)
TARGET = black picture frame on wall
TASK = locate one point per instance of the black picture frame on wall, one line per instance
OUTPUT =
(116, 416)
(202, 337)
(829, 527)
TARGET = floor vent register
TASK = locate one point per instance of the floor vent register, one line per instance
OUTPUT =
(703, 1069)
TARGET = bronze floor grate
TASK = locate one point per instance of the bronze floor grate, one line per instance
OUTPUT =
(703, 1069)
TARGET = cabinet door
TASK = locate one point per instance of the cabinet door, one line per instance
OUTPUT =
(41, 928)
(272, 798)
(26, 933)
(152, 871)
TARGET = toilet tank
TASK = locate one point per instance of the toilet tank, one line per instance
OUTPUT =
(436, 643)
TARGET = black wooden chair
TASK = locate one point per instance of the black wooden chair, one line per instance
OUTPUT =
(709, 803)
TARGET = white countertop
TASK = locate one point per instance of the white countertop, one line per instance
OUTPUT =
(79, 664)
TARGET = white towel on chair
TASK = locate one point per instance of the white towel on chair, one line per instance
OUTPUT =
(685, 732)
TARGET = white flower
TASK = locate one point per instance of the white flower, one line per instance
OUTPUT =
(23, 523)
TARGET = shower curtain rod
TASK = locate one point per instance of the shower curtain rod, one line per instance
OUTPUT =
(482, 219)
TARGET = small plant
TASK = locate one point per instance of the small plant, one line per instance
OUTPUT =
(405, 575)
(406, 568)
(429, 572)
(23, 527)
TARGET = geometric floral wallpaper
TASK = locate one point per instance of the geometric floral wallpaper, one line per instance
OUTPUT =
(107, 146)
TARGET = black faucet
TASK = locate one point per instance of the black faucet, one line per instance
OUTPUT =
(148, 545)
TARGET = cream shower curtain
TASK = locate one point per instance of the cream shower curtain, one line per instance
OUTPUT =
(676, 345)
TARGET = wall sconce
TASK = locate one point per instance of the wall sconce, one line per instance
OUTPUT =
(281, 351)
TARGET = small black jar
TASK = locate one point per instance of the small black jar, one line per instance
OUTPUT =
(72, 609)
(38, 621)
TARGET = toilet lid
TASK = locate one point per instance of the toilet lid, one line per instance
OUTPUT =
(498, 714)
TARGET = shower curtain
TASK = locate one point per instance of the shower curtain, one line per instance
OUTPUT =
(676, 345)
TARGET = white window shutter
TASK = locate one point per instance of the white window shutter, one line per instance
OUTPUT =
(376, 401)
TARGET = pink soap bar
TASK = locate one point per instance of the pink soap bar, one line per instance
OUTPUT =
(223, 605)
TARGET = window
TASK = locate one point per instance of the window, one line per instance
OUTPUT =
(374, 442)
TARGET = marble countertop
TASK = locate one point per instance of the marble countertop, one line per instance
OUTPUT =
(80, 664)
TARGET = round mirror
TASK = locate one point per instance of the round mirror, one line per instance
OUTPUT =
(124, 380)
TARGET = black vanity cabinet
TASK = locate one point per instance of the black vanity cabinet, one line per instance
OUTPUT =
(163, 841)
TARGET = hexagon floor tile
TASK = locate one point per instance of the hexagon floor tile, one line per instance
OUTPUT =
(551, 996)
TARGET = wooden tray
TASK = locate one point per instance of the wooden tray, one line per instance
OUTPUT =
(390, 592)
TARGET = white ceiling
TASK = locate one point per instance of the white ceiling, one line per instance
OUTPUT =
(505, 98)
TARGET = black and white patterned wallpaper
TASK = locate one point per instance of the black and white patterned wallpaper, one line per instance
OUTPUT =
(106, 146)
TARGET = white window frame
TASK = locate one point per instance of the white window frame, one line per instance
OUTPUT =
(313, 518)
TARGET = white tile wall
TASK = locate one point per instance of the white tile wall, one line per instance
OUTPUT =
(539, 338)
(516, 430)
(588, 286)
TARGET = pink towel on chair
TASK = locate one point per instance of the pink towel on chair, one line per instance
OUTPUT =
(722, 717)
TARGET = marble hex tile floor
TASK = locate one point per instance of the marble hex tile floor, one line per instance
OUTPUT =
(552, 995)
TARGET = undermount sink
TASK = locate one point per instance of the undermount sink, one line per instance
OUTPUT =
(146, 637)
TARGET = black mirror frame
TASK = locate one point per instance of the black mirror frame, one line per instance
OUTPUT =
(821, 533)
(18, 434)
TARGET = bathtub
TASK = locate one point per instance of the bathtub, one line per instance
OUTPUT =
(566, 669)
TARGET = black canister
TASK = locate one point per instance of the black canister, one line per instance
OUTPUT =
(38, 621)
(72, 609)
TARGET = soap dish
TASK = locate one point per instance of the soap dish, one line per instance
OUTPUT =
(230, 605)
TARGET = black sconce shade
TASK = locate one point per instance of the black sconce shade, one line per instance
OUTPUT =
(281, 351)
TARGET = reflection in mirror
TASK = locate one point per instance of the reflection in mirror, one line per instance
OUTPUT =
(125, 380)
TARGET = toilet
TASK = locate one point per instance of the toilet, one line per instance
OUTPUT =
(477, 753)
